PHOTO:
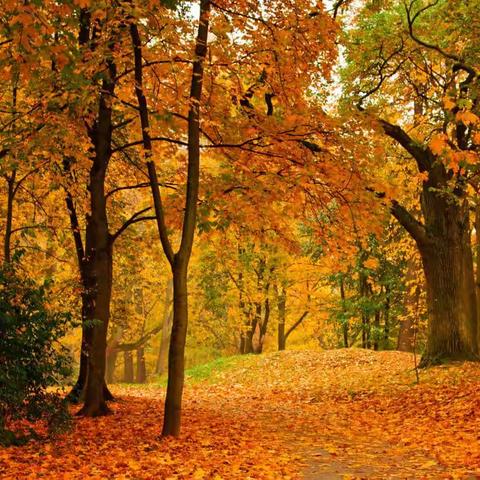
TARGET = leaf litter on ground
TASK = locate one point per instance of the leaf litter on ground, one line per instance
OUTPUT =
(346, 414)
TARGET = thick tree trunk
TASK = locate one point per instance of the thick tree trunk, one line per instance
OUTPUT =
(176, 356)
(248, 336)
(445, 246)
(99, 258)
(76, 394)
(451, 299)
(95, 400)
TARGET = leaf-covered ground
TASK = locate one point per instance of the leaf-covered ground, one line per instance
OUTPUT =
(345, 414)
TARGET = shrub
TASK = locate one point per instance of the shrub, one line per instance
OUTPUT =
(31, 358)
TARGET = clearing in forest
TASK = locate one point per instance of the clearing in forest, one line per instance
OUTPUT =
(343, 414)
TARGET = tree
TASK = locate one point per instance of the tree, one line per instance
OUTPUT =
(399, 63)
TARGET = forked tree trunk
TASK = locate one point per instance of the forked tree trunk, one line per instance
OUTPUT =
(178, 261)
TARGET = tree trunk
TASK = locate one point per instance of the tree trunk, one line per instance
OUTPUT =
(477, 255)
(451, 298)
(178, 261)
(111, 364)
(377, 330)
(128, 367)
(262, 330)
(76, 394)
(445, 246)
(141, 376)
(162, 358)
(282, 316)
(176, 356)
(345, 326)
(386, 319)
(99, 258)
(9, 219)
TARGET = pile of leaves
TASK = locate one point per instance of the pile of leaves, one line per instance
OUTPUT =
(348, 414)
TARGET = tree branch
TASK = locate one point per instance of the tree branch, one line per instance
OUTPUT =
(296, 324)
(423, 155)
(133, 219)
(415, 228)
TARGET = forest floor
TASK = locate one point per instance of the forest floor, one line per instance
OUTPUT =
(343, 414)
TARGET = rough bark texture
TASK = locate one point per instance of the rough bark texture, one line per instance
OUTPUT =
(99, 254)
(445, 247)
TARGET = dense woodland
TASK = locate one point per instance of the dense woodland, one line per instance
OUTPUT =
(183, 182)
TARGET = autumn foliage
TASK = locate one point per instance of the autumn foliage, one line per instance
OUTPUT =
(199, 184)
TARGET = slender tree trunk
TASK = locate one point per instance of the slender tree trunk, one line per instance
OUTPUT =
(128, 367)
(262, 330)
(477, 255)
(377, 330)
(282, 316)
(176, 356)
(162, 358)
(111, 364)
(178, 261)
(141, 376)
(9, 219)
(345, 326)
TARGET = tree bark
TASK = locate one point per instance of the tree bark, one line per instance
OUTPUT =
(282, 316)
(128, 367)
(9, 219)
(99, 255)
(162, 358)
(141, 376)
(345, 326)
(445, 247)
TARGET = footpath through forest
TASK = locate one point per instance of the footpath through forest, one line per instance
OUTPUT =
(343, 414)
